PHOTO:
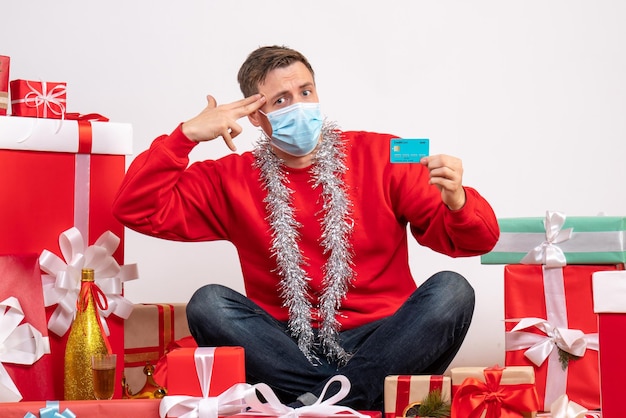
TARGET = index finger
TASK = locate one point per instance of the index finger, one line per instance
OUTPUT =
(248, 105)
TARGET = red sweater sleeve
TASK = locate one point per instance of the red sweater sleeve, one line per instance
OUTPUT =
(472, 230)
(150, 197)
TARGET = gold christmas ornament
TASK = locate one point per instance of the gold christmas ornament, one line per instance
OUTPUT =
(151, 390)
(85, 339)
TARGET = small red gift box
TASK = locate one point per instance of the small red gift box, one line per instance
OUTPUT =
(227, 369)
(550, 320)
(4, 83)
(403, 392)
(494, 392)
(20, 277)
(609, 298)
(148, 333)
(38, 99)
(65, 177)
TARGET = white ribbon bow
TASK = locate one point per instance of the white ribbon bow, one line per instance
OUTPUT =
(19, 344)
(573, 341)
(229, 402)
(562, 407)
(321, 408)
(548, 253)
(50, 99)
(61, 285)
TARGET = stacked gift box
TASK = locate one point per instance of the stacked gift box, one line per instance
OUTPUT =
(150, 332)
(550, 320)
(60, 174)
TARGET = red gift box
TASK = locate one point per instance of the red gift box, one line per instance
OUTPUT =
(20, 278)
(227, 369)
(4, 83)
(556, 304)
(507, 392)
(61, 178)
(609, 298)
(38, 99)
(404, 391)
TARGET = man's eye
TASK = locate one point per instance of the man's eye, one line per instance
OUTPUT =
(306, 92)
(280, 101)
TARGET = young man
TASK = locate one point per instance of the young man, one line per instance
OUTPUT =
(319, 218)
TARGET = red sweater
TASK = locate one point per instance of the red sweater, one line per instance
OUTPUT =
(223, 200)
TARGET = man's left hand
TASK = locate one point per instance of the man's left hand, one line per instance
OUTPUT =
(446, 172)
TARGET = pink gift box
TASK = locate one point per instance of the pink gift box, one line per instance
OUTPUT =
(20, 278)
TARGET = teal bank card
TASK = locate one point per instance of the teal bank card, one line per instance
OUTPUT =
(408, 150)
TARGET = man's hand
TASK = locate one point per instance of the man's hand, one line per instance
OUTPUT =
(446, 173)
(215, 121)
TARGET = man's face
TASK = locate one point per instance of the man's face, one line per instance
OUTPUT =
(283, 87)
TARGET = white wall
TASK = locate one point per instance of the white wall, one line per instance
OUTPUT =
(531, 95)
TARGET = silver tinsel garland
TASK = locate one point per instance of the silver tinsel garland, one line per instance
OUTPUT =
(327, 172)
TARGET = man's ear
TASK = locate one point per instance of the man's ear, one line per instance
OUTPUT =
(255, 118)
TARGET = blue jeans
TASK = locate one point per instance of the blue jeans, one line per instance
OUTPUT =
(422, 337)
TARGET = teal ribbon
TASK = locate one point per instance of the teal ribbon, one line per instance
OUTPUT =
(51, 410)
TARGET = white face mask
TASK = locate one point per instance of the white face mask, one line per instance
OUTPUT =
(296, 129)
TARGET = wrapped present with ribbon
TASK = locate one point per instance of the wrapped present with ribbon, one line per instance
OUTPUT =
(25, 365)
(38, 99)
(404, 393)
(5, 63)
(609, 302)
(550, 326)
(562, 407)
(149, 332)
(225, 367)
(218, 390)
(493, 392)
(62, 180)
(118, 408)
(557, 240)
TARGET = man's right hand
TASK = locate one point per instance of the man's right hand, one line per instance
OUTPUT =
(215, 121)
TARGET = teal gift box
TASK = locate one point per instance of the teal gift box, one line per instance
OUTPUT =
(557, 240)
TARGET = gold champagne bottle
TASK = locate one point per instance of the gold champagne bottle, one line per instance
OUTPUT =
(85, 339)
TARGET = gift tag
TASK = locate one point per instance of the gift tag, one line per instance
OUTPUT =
(408, 150)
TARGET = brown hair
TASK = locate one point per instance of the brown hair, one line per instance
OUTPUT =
(263, 60)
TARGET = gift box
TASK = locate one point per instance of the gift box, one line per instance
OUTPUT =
(21, 279)
(4, 83)
(148, 334)
(118, 408)
(494, 391)
(227, 368)
(571, 240)
(61, 177)
(38, 99)
(609, 298)
(550, 325)
(403, 393)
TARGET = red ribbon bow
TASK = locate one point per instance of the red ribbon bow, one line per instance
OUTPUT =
(101, 301)
(506, 401)
(99, 298)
